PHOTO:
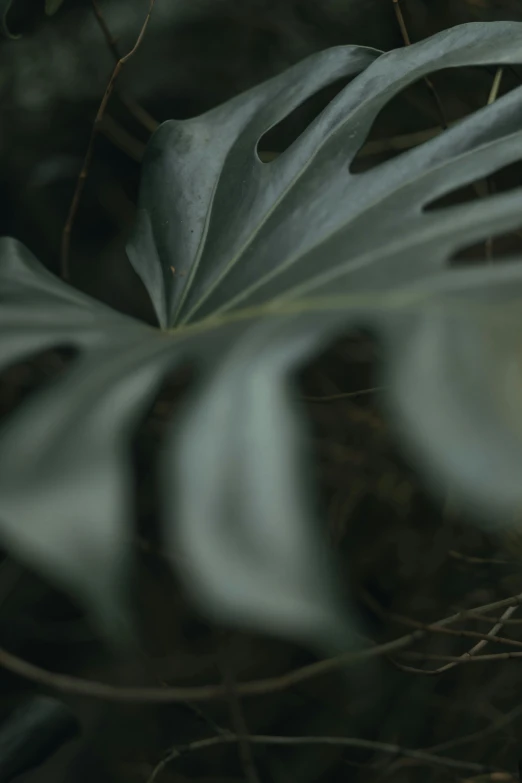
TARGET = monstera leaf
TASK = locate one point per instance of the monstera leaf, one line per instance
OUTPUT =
(252, 268)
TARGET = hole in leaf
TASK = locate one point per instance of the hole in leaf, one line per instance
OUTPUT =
(420, 112)
(282, 135)
(505, 179)
(497, 248)
(24, 379)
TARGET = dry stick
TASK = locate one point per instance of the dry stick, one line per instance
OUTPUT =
(165, 695)
(240, 726)
(66, 236)
(491, 636)
(74, 685)
(493, 95)
(492, 728)
(407, 42)
(111, 40)
(135, 109)
(122, 139)
(458, 659)
(488, 619)
(347, 742)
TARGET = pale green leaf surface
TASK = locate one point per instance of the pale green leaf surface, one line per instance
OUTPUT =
(248, 545)
(306, 235)
(455, 375)
(270, 262)
(241, 232)
(65, 474)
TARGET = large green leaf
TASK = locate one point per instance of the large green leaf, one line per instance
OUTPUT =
(252, 268)
(65, 475)
(243, 236)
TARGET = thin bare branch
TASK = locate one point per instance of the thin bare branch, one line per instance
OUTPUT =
(137, 111)
(476, 736)
(239, 724)
(488, 619)
(73, 209)
(459, 659)
(491, 636)
(121, 138)
(347, 742)
(493, 95)
(111, 41)
(470, 654)
(165, 695)
(402, 24)
(429, 84)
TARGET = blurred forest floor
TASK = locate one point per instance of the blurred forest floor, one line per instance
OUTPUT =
(406, 558)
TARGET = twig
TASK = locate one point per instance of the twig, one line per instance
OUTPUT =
(165, 695)
(111, 40)
(240, 726)
(491, 636)
(347, 742)
(121, 138)
(492, 728)
(505, 656)
(429, 84)
(137, 111)
(493, 95)
(402, 24)
(66, 235)
(488, 619)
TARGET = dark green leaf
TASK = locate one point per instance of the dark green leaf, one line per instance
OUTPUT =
(240, 512)
(303, 235)
(252, 268)
(65, 477)
(456, 389)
